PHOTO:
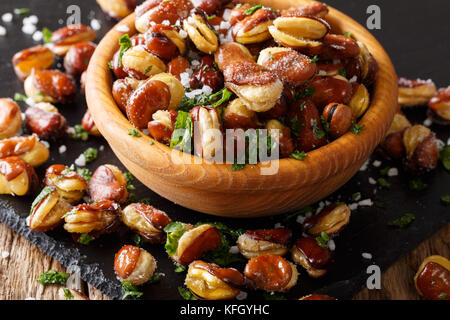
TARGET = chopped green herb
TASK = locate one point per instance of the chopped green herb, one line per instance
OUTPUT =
(174, 232)
(302, 211)
(129, 177)
(295, 125)
(273, 296)
(85, 173)
(110, 65)
(151, 142)
(186, 294)
(211, 17)
(20, 97)
(67, 294)
(125, 44)
(442, 296)
(134, 133)
(21, 11)
(445, 199)
(253, 9)
(183, 124)
(129, 290)
(85, 238)
(314, 59)
(356, 128)
(342, 72)
(79, 133)
(226, 95)
(138, 240)
(44, 193)
(380, 204)
(71, 212)
(179, 268)
(216, 66)
(297, 155)
(53, 277)
(356, 196)
(149, 68)
(238, 5)
(384, 171)
(444, 155)
(156, 277)
(417, 184)
(308, 92)
(325, 124)
(319, 133)
(323, 239)
(403, 221)
(237, 166)
(384, 183)
(90, 154)
(347, 34)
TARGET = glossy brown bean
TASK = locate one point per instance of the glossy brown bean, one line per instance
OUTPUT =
(159, 130)
(178, 66)
(339, 117)
(330, 89)
(158, 43)
(269, 272)
(77, 58)
(47, 125)
(108, 183)
(206, 75)
(230, 52)
(122, 90)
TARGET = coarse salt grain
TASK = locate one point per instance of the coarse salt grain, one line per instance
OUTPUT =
(392, 172)
(30, 20)
(193, 93)
(95, 24)
(184, 79)
(234, 250)
(353, 79)
(366, 202)
(207, 90)
(62, 149)
(353, 206)
(2, 31)
(225, 25)
(428, 122)
(242, 295)
(278, 225)
(364, 166)
(7, 17)
(37, 36)
(226, 14)
(183, 33)
(300, 219)
(166, 22)
(376, 163)
(331, 245)
(122, 28)
(5, 254)
(372, 181)
(366, 255)
(80, 161)
(28, 28)
(195, 63)
(102, 147)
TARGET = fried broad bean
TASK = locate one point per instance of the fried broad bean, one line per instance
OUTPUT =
(10, 118)
(141, 64)
(162, 125)
(422, 152)
(237, 115)
(201, 33)
(432, 280)
(117, 9)
(108, 183)
(134, 264)
(360, 100)
(94, 219)
(259, 89)
(209, 6)
(292, 68)
(254, 243)
(369, 66)
(271, 272)
(77, 58)
(339, 117)
(314, 258)
(230, 52)
(175, 88)
(38, 57)
(327, 89)
(164, 41)
(17, 177)
(393, 141)
(415, 92)
(254, 27)
(315, 9)
(122, 90)
(207, 124)
(51, 86)
(47, 210)
(44, 120)
(178, 66)
(149, 97)
(69, 185)
(146, 220)
(117, 66)
(28, 148)
(440, 103)
(282, 134)
(63, 39)
(88, 124)
(210, 282)
(330, 220)
(205, 74)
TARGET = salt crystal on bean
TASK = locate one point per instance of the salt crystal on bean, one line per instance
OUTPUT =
(80, 161)
(37, 36)
(392, 172)
(28, 28)
(62, 149)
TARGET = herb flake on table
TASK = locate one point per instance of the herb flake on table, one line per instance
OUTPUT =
(19, 97)
(417, 184)
(384, 183)
(21, 11)
(129, 290)
(297, 155)
(90, 154)
(444, 156)
(323, 239)
(53, 277)
(186, 294)
(134, 133)
(356, 128)
(85, 238)
(403, 221)
(79, 133)
(67, 294)
(47, 35)
(445, 199)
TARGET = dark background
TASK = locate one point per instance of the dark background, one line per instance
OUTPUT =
(414, 33)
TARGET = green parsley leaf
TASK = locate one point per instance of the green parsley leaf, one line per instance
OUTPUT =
(186, 294)
(53, 277)
(384, 171)
(273, 296)
(79, 133)
(347, 34)
(380, 204)
(125, 44)
(85, 238)
(67, 294)
(183, 124)
(308, 92)
(445, 199)
(134, 133)
(149, 68)
(138, 240)
(85, 173)
(253, 9)
(319, 133)
(129, 290)
(295, 125)
(444, 155)
(302, 211)
(151, 142)
(237, 166)
(403, 221)
(155, 278)
(226, 95)
(417, 184)
(211, 17)
(21, 11)
(297, 155)
(44, 193)
(384, 183)
(323, 239)
(342, 72)
(90, 154)
(179, 268)
(356, 196)
(314, 59)
(356, 128)
(175, 231)
(20, 97)
(47, 35)
(442, 296)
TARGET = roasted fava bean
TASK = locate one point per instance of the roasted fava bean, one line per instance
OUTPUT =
(162, 125)
(94, 219)
(285, 141)
(440, 103)
(175, 88)
(134, 264)
(10, 118)
(140, 64)
(336, 46)
(47, 210)
(195, 242)
(122, 90)
(209, 138)
(311, 256)
(335, 89)
(254, 243)
(164, 42)
(117, 66)
(415, 92)
(422, 152)
(230, 52)
(238, 13)
(330, 220)
(77, 58)
(117, 9)
(209, 6)
(369, 66)
(38, 57)
(149, 97)
(17, 177)
(360, 99)
(315, 9)
(254, 27)
(259, 89)
(67, 183)
(29, 149)
(108, 183)
(49, 86)
(237, 115)
(63, 39)
(146, 220)
(271, 272)
(339, 117)
(206, 75)
(317, 297)
(393, 142)
(432, 280)
(44, 120)
(292, 68)
(210, 282)
(88, 124)
(306, 127)
(178, 66)
(201, 33)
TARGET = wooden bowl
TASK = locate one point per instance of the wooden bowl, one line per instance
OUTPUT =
(214, 188)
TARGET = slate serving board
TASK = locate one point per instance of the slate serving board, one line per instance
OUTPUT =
(412, 41)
